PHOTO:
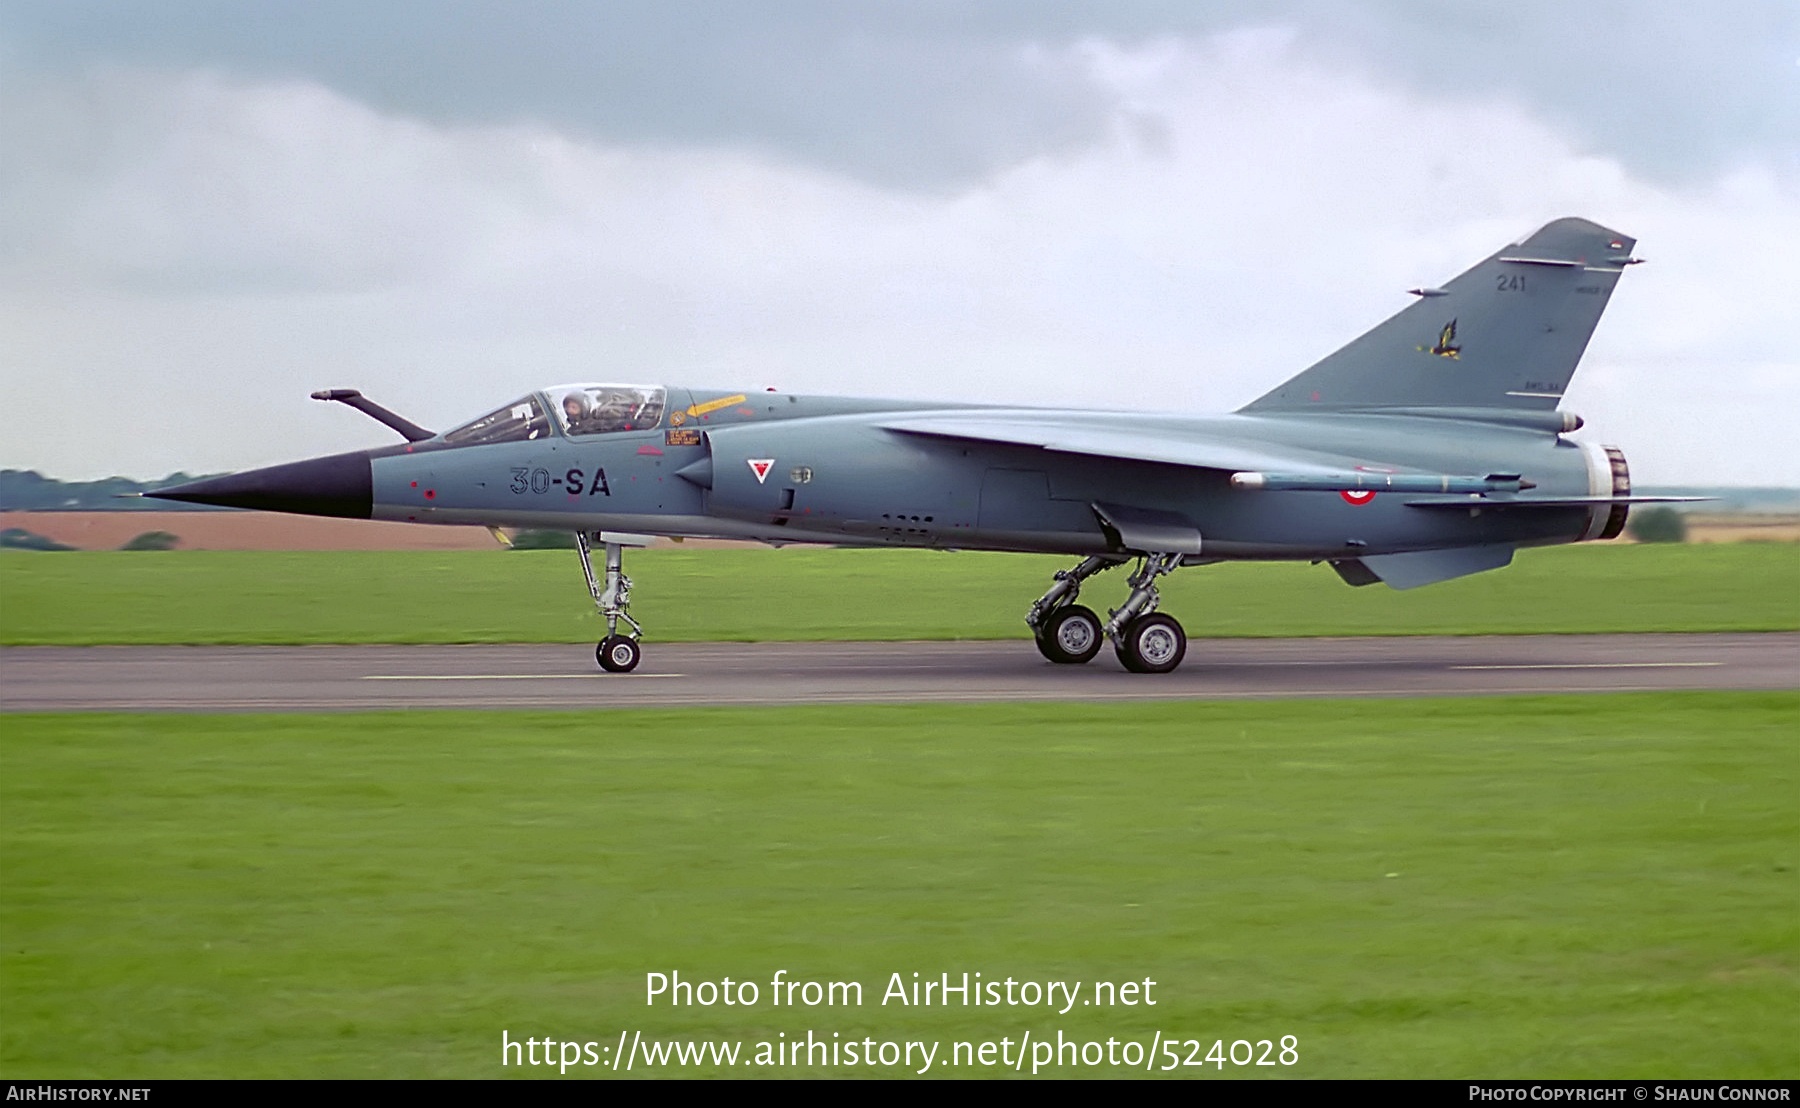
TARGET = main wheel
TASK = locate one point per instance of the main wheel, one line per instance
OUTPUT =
(618, 654)
(1070, 636)
(1151, 644)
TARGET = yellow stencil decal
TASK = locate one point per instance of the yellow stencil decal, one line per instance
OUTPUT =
(715, 405)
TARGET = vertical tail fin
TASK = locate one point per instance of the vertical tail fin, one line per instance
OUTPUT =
(1505, 334)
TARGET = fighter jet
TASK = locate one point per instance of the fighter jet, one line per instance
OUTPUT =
(1430, 448)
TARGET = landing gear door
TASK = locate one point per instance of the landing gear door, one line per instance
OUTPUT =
(1148, 530)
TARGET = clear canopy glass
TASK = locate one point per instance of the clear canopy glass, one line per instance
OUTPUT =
(604, 409)
(521, 420)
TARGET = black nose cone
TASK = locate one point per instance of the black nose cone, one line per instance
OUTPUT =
(338, 485)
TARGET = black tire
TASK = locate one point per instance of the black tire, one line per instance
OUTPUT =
(1070, 636)
(618, 654)
(1151, 644)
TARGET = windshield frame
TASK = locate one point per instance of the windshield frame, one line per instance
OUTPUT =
(522, 420)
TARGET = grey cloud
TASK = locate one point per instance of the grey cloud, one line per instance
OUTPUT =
(1675, 91)
(941, 93)
(900, 99)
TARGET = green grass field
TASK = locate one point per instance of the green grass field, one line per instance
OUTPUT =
(1554, 886)
(794, 594)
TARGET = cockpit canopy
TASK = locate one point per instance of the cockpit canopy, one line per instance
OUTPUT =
(522, 419)
(602, 409)
(579, 410)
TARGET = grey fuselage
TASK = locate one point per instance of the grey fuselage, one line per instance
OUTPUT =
(1431, 447)
(831, 472)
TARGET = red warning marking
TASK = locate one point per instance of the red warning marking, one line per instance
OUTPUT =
(649, 450)
(1358, 497)
(761, 467)
(431, 494)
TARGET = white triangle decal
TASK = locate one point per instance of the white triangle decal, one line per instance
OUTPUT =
(761, 467)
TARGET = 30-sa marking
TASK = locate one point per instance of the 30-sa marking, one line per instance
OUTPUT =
(526, 479)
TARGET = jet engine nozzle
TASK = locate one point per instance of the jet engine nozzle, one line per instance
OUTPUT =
(1609, 476)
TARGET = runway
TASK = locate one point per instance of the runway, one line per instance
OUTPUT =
(339, 678)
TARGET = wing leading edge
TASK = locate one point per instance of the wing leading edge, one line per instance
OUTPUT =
(1252, 465)
(1079, 435)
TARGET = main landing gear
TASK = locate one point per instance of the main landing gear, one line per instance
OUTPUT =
(616, 653)
(1145, 640)
(1066, 632)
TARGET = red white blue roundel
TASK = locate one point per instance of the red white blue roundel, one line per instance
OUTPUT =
(1359, 497)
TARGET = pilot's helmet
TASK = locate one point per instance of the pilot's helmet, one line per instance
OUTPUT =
(575, 406)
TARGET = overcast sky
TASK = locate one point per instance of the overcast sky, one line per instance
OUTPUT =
(209, 209)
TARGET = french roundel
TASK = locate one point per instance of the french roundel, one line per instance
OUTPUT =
(1358, 497)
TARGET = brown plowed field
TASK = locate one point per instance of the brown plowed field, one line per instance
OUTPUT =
(1743, 528)
(245, 531)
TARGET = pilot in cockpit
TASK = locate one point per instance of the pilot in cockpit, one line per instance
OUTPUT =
(575, 413)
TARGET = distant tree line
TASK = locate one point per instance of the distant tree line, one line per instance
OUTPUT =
(27, 490)
(1656, 525)
(18, 538)
(537, 539)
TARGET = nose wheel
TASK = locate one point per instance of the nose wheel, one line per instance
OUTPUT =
(616, 653)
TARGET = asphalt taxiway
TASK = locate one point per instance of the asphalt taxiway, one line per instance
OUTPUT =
(325, 678)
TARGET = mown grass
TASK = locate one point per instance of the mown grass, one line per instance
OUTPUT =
(1533, 887)
(801, 594)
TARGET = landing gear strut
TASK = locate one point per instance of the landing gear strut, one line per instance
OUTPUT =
(616, 653)
(1066, 632)
(1145, 640)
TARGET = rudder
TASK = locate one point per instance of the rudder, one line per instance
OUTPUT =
(1507, 333)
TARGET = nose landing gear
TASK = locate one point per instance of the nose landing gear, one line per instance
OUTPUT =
(616, 653)
(1145, 640)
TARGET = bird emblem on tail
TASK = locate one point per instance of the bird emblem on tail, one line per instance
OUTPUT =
(1446, 344)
